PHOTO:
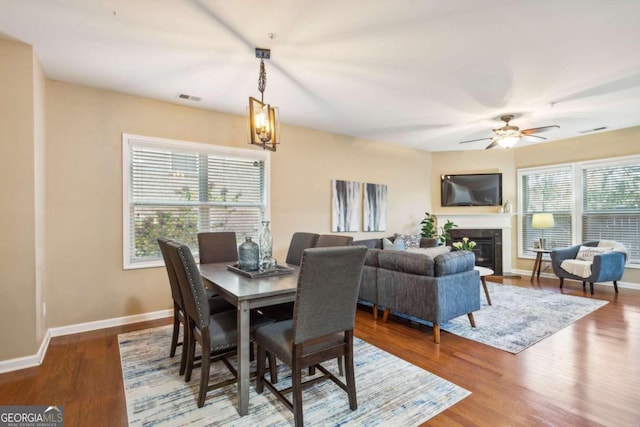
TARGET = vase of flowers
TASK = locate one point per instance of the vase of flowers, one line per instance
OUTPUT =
(465, 245)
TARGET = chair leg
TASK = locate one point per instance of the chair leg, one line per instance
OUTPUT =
(471, 320)
(385, 315)
(260, 369)
(375, 311)
(273, 367)
(204, 373)
(615, 285)
(350, 376)
(296, 385)
(190, 355)
(591, 286)
(436, 333)
(340, 366)
(561, 282)
(185, 349)
(584, 284)
(176, 332)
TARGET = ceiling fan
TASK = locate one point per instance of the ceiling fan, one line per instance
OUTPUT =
(508, 135)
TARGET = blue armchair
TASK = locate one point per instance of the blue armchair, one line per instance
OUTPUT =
(586, 264)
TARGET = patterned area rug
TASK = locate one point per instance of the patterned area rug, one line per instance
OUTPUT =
(520, 317)
(390, 391)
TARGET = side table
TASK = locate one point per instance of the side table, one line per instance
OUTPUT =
(484, 272)
(538, 262)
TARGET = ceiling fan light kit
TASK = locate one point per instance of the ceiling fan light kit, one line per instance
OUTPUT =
(508, 135)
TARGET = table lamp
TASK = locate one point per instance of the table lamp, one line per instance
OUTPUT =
(542, 221)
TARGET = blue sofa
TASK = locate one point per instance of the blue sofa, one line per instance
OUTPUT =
(417, 285)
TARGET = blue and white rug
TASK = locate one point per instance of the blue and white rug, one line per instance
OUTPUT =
(520, 317)
(390, 391)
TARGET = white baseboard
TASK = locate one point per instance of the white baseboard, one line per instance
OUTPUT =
(36, 359)
(549, 275)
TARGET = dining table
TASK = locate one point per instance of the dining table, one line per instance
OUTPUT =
(248, 293)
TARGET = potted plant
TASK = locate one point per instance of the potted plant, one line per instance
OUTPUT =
(430, 228)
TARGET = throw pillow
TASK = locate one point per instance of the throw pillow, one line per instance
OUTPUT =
(398, 245)
(410, 241)
(586, 253)
(432, 252)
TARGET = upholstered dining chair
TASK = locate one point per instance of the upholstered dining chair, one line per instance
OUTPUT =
(217, 246)
(322, 324)
(216, 333)
(330, 240)
(299, 242)
(216, 305)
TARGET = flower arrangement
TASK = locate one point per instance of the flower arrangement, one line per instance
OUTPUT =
(465, 245)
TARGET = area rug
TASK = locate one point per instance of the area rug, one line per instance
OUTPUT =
(520, 317)
(390, 391)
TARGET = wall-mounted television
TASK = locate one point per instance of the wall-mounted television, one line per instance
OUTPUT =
(481, 189)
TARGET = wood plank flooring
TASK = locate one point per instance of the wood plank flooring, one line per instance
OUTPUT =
(586, 374)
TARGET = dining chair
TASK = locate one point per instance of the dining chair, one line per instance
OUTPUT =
(216, 304)
(330, 240)
(217, 246)
(299, 242)
(322, 324)
(216, 333)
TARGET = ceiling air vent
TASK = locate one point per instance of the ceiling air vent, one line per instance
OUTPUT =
(189, 97)
(593, 130)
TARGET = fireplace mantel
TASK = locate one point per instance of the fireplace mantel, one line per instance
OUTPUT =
(486, 221)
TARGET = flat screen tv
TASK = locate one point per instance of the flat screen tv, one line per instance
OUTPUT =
(482, 189)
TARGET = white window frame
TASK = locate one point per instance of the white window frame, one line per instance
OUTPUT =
(184, 146)
(576, 211)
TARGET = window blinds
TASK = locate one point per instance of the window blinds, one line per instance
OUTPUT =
(176, 193)
(548, 191)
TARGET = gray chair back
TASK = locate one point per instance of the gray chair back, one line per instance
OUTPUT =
(196, 301)
(327, 292)
(299, 242)
(332, 240)
(171, 272)
(219, 246)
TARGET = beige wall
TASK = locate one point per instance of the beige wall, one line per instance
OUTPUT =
(598, 146)
(17, 189)
(86, 281)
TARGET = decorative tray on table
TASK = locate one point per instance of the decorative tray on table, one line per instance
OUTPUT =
(278, 271)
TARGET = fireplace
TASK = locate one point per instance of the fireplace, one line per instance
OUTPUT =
(488, 248)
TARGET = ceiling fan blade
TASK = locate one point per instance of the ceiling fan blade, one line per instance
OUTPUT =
(474, 140)
(493, 144)
(536, 136)
(540, 129)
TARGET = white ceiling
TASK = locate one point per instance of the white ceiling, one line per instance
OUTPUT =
(420, 73)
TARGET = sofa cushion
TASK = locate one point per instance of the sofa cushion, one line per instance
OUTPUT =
(371, 258)
(432, 252)
(370, 243)
(454, 262)
(410, 241)
(396, 245)
(406, 262)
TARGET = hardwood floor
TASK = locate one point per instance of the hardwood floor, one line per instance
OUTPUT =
(586, 374)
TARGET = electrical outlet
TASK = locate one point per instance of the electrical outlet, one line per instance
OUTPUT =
(547, 266)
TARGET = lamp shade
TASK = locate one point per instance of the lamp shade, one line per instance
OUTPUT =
(542, 220)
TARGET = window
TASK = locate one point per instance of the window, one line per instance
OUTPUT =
(176, 189)
(589, 200)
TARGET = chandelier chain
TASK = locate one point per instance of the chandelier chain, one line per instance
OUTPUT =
(262, 80)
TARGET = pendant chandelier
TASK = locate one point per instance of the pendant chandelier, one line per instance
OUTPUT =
(264, 120)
